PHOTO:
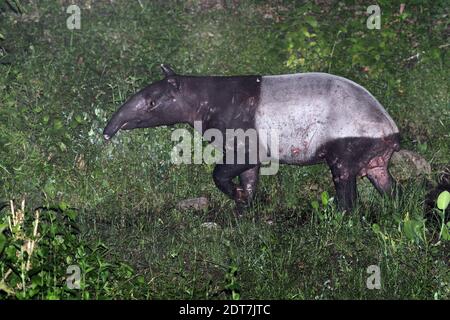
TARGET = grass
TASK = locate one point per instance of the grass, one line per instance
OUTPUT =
(59, 87)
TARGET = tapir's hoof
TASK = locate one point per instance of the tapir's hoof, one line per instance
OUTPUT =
(240, 196)
(107, 139)
(240, 209)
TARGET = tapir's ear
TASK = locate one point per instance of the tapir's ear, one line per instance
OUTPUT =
(167, 70)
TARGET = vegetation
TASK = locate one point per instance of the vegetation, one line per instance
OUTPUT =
(110, 209)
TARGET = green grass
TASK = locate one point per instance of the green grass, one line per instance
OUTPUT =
(59, 87)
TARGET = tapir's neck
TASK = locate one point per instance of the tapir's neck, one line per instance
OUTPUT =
(218, 101)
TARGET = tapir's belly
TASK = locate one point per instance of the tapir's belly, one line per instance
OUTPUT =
(308, 110)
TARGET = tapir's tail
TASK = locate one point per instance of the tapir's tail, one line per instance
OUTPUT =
(395, 141)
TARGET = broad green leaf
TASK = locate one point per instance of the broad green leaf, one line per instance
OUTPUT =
(58, 124)
(445, 233)
(141, 279)
(443, 200)
(3, 226)
(235, 296)
(417, 227)
(408, 229)
(2, 242)
(312, 21)
(72, 214)
(5, 288)
(63, 147)
(63, 206)
(376, 228)
(325, 197)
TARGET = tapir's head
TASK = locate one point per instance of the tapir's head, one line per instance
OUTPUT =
(160, 103)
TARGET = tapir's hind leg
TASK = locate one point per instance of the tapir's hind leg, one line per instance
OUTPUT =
(342, 156)
(344, 179)
(352, 157)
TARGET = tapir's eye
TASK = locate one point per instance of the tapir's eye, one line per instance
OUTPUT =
(152, 103)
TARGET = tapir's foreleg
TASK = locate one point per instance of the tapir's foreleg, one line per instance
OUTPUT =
(249, 180)
(223, 176)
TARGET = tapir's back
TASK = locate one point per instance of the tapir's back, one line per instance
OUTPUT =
(310, 109)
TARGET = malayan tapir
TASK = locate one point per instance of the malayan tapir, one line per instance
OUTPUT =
(320, 118)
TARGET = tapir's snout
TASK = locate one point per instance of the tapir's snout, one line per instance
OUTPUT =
(114, 125)
(111, 129)
(123, 119)
(145, 109)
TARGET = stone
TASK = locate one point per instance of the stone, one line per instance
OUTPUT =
(193, 204)
(406, 164)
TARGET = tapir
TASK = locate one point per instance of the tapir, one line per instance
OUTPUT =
(320, 118)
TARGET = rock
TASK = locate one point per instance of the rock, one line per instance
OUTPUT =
(210, 225)
(194, 204)
(408, 164)
(206, 5)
